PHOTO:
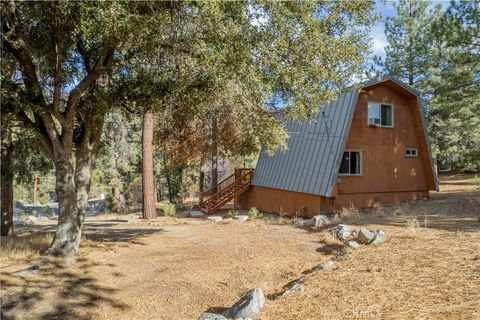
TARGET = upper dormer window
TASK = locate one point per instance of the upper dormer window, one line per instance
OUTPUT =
(380, 114)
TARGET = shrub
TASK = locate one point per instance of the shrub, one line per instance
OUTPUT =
(169, 209)
(232, 213)
(254, 213)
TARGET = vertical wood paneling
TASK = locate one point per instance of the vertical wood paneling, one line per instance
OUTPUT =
(384, 166)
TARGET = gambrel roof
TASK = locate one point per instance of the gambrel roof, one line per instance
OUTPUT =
(315, 147)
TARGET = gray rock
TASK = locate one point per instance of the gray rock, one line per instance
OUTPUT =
(297, 287)
(215, 218)
(242, 218)
(364, 236)
(343, 232)
(324, 266)
(304, 223)
(196, 214)
(18, 223)
(352, 244)
(30, 271)
(320, 220)
(379, 236)
(248, 306)
(342, 257)
(211, 316)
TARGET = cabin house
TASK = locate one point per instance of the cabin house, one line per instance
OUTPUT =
(369, 147)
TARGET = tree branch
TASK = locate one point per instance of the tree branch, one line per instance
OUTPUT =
(39, 130)
(103, 63)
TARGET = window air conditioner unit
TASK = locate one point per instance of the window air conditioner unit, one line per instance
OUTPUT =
(373, 121)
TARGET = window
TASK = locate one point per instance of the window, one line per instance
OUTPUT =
(380, 114)
(411, 152)
(351, 163)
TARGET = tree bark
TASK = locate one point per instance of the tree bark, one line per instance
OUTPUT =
(214, 164)
(118, 200)
(167, 176)
(73, 187)
(6, 183)
(69, 229)
(148, 181)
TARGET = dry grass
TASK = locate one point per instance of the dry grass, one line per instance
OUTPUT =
(429, 267)
(433, 275)
(346, 215)
(24, 246)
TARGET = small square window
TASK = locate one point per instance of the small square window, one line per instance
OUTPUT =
(410, 152)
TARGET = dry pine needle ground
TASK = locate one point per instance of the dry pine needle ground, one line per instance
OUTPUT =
(429, 268)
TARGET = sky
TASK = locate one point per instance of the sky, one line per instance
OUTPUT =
(386, 9)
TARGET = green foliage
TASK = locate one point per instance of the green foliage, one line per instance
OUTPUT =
(215, 73)
(438, 54)
(254, 213)
(232, 213)
(169, 209)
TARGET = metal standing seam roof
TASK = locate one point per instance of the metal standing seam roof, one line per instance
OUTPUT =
(312, 159)
(310, 163)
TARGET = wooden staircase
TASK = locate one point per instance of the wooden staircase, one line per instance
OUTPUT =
(226, 190)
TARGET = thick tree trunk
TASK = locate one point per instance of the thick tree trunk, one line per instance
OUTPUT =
(69, 229)
(214, 163)
(72, 186)
(117, 200)
(167, 176)
(148, 181)
(7, 184)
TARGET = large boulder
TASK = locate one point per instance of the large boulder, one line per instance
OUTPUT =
(304, 223)
(365, 236)
(196, 214)
(342, 257)
(352, 244)
(379, 236)
(320, 220)
(248, 306)
(324, 266)
(215, 218)
(297, 287)
(242, 217)
(211, 316)
(343, 232)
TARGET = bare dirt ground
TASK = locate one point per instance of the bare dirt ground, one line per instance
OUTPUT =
(429, 268)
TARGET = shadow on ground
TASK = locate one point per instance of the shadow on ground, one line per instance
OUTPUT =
(52, 289)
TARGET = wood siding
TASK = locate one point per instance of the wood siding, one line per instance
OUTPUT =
(280, 201)
(369, 200)
(384, 165)
(387, 175)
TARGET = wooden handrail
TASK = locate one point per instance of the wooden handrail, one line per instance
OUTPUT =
(225, 193)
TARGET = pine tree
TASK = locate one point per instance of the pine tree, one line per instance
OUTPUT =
(454, 87)
(408, 52)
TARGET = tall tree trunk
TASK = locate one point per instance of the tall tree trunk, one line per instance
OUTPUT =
(118, 200)
(69, 229)
(73, 187)
(148, 181)
(214, 163)
(6, 183)
(169, 179)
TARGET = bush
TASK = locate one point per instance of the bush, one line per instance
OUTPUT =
(232, 213)
(254, 213)
(169, 209)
